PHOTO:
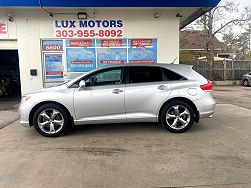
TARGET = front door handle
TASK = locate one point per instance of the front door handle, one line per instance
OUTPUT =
(162, 87)
(117, 91)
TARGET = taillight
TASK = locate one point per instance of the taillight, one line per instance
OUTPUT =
(207, 87)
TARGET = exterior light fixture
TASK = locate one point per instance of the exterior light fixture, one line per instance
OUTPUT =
(156, 15)
(82, 15)
(11, 17)
(179, 15)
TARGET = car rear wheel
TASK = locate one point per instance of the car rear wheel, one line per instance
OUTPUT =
(51, 120)
(177, 116)
(245, 83)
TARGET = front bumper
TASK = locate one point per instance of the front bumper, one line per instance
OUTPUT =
(24, 123)
(24, 114)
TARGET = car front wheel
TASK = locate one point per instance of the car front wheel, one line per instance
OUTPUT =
(177, 116)
(51, 120)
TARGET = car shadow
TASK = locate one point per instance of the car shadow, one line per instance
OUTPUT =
(112, 129)
(128, 127)
(116, 128)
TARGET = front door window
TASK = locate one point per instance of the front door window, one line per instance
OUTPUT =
(110, 77)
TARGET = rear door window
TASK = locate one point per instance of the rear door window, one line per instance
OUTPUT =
(143, 74)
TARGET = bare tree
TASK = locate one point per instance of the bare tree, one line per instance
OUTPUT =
(240, 43)
(218, 20)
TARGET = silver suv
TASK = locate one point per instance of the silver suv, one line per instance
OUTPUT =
(174, 95)
(247, 79)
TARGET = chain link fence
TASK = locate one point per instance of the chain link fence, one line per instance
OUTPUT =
(226, 70)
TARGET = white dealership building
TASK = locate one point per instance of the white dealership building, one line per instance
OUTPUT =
(45, 42)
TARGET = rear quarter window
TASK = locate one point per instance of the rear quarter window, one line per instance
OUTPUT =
(172, 76)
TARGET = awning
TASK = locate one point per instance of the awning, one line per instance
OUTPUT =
(110, 3)
(194, 8)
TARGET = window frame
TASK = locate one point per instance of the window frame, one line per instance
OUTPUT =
(128, 75)
(162, 68)
(98, 72)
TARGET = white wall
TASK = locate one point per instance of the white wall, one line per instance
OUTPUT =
(31, 25)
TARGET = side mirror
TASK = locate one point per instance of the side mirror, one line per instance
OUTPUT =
(82, 84)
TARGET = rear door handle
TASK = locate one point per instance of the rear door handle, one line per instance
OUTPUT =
(162, 87)
(117, 91)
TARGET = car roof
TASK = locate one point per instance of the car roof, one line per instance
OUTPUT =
(165, 65)
(178, 68)
(147, 64)
(181, 69)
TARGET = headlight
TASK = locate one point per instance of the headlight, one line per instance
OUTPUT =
(25, 98)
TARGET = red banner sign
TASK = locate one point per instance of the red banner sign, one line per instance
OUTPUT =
(111, 42)
(81, 62)
(54, 73)
(141, 42)
(80, 43)
(3, 30)
(142, 61)
(112, 61)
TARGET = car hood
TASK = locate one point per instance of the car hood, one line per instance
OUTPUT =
(55, 88)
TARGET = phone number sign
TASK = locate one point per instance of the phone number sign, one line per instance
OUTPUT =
(88, 28)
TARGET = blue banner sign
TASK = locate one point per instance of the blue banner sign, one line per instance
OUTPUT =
(109, 56)
(80, 59)
(53, 66)
(142, 51)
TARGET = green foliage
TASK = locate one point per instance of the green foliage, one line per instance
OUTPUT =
(186, 57)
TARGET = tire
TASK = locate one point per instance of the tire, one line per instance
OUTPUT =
(51, 120)
(245, 83)
(172, 113)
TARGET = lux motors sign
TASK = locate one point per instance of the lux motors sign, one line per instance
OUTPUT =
(3, 29)
(88, 28)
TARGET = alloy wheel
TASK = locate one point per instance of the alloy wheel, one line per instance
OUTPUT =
(245, 83)
(50, 121)
(178, 117)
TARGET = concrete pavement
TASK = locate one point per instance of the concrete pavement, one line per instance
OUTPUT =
(7, 117)
(237, 95)
(9, 104)
(8, 111)
(214, 153)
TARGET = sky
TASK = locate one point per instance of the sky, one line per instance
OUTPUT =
(235, 29)
(243, 3)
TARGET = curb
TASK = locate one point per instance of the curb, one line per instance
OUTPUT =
(4, 124)
(8, 117)
(228, 83)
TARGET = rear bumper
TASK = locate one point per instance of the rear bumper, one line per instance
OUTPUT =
(206, 114)
(206, 106)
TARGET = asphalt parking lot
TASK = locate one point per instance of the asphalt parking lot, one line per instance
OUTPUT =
(216, 152)
(237, 95)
